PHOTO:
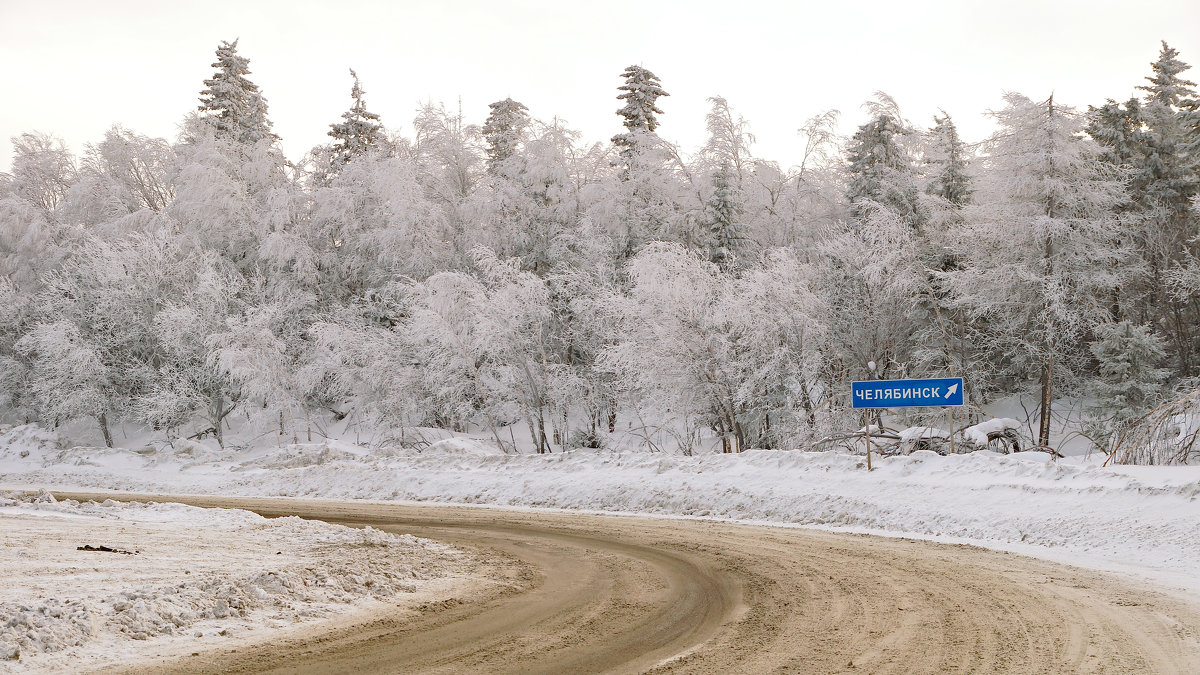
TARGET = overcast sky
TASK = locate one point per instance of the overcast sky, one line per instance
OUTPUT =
(74, 68)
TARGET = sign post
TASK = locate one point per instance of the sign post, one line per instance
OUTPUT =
(940, 392)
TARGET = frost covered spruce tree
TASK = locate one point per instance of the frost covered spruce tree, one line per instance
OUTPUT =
(1129, 381)
(232, 103)
(1039, 250)
(726, 159)
(640, 93)
(880, 167)
(504, 131)
(946, 163)
(1166, 180)
(359, 132)
(1155, 140)
(640, 203)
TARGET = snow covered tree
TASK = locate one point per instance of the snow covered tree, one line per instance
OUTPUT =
(1166, 87)
(641, 92)
(450, 164)
(43, 171)
(531, 199)
(358, 133)
(780, 327)
(722, 218)
(231, 103)
(880, 166)
(640, 203)
(870, 276)
(370, 225)
(643, 204)
(94, 352)
(1038, 250)
(138, 167)
(504, 130)
(1129, 381)
(16, 316)
(515, 323)
(675, 355)
(946, 161)
(70, 379)
(1165, 181)
(1153, 141)
(254, 355)
(1117, 127)
(729, 138)
(725, 161)
(190, 385)
(230, 196)
(479, 346)
(122, 175)
(581, 285)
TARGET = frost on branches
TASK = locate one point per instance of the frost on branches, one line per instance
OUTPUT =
(496, 274)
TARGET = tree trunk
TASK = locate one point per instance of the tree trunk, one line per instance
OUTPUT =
(1044, 416)
(533, 432)
(543, 443)
(102, 418)
(218, 409)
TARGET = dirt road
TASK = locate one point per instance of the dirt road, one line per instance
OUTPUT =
(588, 593)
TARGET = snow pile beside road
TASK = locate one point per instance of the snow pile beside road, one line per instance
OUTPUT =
(28, 442)
(83, 579)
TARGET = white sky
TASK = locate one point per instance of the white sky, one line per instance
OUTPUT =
(75, 67)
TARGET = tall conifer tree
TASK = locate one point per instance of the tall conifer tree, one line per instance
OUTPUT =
(231, 102)
(358, 133)
(503, 129)
(640, 93)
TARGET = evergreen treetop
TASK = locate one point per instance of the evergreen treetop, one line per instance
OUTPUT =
(948, 159)
(1166, 86)
(502, 130)
(880, 167)
(231, 102)
(640, 93)
(359, 131)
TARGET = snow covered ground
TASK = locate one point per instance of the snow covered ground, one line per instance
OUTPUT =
(1143, 521)
(107, 583)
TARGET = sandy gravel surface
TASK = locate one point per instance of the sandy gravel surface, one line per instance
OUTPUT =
(592, 593)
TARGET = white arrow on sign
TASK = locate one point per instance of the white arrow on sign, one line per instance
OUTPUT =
(950, 392)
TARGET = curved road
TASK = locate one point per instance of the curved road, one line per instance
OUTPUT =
(591, 593)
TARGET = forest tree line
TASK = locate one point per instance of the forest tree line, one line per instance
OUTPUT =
(475, 276)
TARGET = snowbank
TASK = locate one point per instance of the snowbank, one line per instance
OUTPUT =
(1141, 519)
(83, 580)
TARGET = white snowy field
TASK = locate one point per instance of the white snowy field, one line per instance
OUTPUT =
(1140, 521)
(102, 584)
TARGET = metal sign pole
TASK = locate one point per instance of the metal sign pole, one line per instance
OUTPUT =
(950, 412)
(867, 428)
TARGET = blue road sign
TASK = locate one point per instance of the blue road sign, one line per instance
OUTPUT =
(942, 391)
